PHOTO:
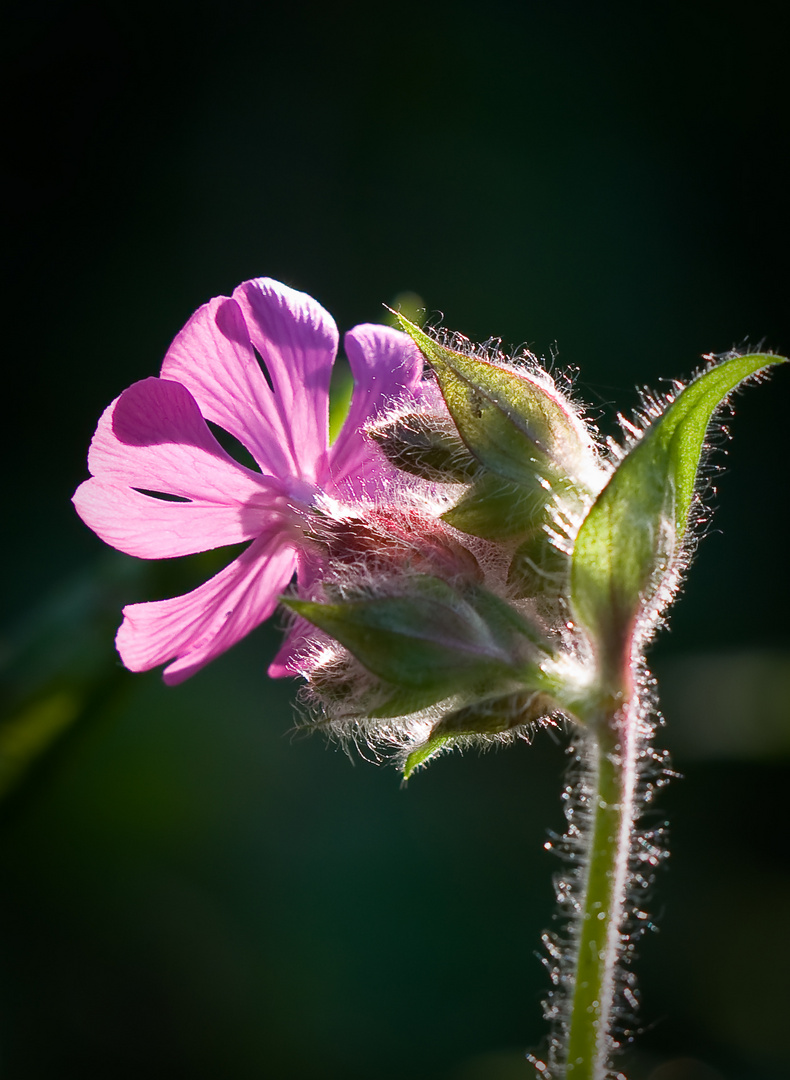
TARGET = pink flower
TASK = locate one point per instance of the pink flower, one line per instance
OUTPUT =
(154, 438)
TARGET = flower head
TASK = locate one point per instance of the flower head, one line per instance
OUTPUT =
(468, 560)
(154, 440)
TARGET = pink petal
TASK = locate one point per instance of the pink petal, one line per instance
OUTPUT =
(214, 358)
(199, 626)
(297, 340)
(151, 528)
(153, 437)
(286, 662)
(301, 632)
(387, 369)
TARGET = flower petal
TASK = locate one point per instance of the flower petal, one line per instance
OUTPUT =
(200, 625)
(288, 661)
(214, 358)
(301, 636)
(151, 528)
(387, 369)
(297, 340)
(153, 437)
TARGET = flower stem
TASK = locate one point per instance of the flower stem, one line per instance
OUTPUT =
(613, 749)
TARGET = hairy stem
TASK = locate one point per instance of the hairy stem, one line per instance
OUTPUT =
(614, 747)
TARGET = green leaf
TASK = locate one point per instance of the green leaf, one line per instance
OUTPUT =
(340, 392)
(628, 540)
(513, 424)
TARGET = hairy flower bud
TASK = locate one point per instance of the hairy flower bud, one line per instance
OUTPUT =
(423, 641)
(399, 539)
(513, 419)
(425, 444)
(538, 460)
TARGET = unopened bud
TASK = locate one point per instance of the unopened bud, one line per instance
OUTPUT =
(516, 423)
(403, 539)
(425, 444)
(427, 641)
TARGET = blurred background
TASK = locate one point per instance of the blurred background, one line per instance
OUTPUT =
(190, 891)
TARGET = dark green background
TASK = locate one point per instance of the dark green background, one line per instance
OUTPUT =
(189, 892)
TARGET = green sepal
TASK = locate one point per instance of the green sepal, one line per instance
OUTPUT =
(429, 644)
(496, 714)
(507, 624)
(423, 753)
(511, 423)
(426, 639)
(490, 716)
(497, 509)
(401, 701)
(630, 536)
(426, 445)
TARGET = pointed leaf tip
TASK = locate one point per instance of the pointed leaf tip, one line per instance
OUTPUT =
(629, 541)
(423, 754)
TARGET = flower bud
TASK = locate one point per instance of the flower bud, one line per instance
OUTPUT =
(514, 421)
(394, 539)
(427, 641)
(425, 444)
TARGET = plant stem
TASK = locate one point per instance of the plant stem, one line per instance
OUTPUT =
(613, 745)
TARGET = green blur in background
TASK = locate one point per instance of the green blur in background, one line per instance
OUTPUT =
(189, 888)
